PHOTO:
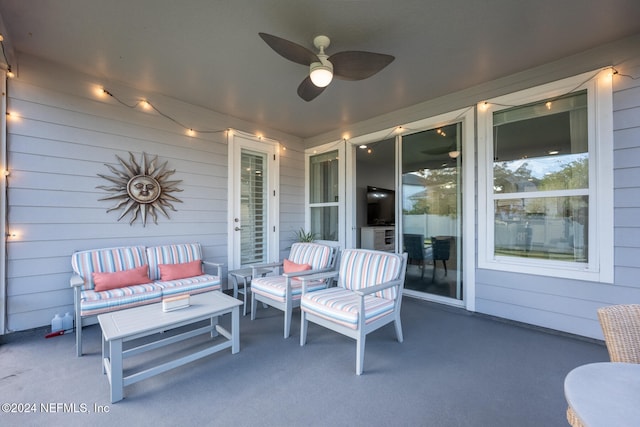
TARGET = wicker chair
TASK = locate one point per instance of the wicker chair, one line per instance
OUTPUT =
(573, 419)
(621, 327)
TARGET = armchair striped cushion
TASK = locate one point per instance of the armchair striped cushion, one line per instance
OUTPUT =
(275, 287)
(368, 296)
(316, 255)
(358, 269)
(342, 306)
(284, 292)
(361, 269)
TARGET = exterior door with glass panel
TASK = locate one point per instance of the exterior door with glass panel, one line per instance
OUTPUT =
(431, 230)
(254, 201)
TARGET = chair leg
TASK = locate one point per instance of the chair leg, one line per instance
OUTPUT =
(253, 306)
(303, 328)
(287, 320)
(78, 336)
(445, 266)
(398, 325)
(360, 342)
(78, 319)
(246, 295)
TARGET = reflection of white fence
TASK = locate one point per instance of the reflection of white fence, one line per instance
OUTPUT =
(556, 235)
(429, 225)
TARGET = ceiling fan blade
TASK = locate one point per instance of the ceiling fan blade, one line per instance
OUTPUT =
(358, 65)
(308, 91)
(290, 50)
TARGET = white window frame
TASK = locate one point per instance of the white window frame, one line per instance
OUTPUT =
(326, 148)
(599, 267)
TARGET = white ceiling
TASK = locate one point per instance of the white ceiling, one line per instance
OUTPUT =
(208, 52)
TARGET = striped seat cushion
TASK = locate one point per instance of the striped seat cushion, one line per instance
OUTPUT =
(362, 268)
(171, 254)
(316, 255)
(342, 306)
(93, 302)
(275, 287)
(108, 260)
(190, 285)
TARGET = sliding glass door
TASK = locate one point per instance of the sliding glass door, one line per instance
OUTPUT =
(431, 226)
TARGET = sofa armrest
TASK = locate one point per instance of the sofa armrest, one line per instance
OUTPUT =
(76, 281)
(214, 264)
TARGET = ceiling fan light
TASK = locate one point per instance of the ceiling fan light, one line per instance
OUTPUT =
(321, 74)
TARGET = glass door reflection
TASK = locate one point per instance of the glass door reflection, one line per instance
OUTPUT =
(432, 210)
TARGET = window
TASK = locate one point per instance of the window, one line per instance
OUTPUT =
(323, 195)
(545, 204)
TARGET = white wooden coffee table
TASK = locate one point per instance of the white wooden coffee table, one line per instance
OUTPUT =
(127, 325)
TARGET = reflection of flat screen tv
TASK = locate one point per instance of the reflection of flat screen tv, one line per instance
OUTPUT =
(381, 205)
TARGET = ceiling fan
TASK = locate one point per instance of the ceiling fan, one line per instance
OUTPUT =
(347, 65)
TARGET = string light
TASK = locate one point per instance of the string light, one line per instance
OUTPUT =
(612, 71)
(6, 60)
(145, 104)
(615, 72)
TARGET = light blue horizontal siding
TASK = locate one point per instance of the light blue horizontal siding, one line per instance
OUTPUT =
(570, 305)
(63, 140)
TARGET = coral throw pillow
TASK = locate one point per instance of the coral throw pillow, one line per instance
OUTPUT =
(292, 267)
(180, 271)
(120, 279)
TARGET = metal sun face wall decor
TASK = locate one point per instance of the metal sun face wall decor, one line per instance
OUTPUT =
(141, 189)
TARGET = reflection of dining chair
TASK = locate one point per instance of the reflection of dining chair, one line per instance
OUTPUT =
(414, 246)
(441, 249)
(621, 328)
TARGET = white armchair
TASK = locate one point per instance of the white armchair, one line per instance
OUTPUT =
(283, 291)
(368, 296)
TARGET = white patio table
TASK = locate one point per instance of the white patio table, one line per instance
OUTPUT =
(146, 321)
(605, 394)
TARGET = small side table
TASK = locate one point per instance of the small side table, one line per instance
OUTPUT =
(245, 276)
